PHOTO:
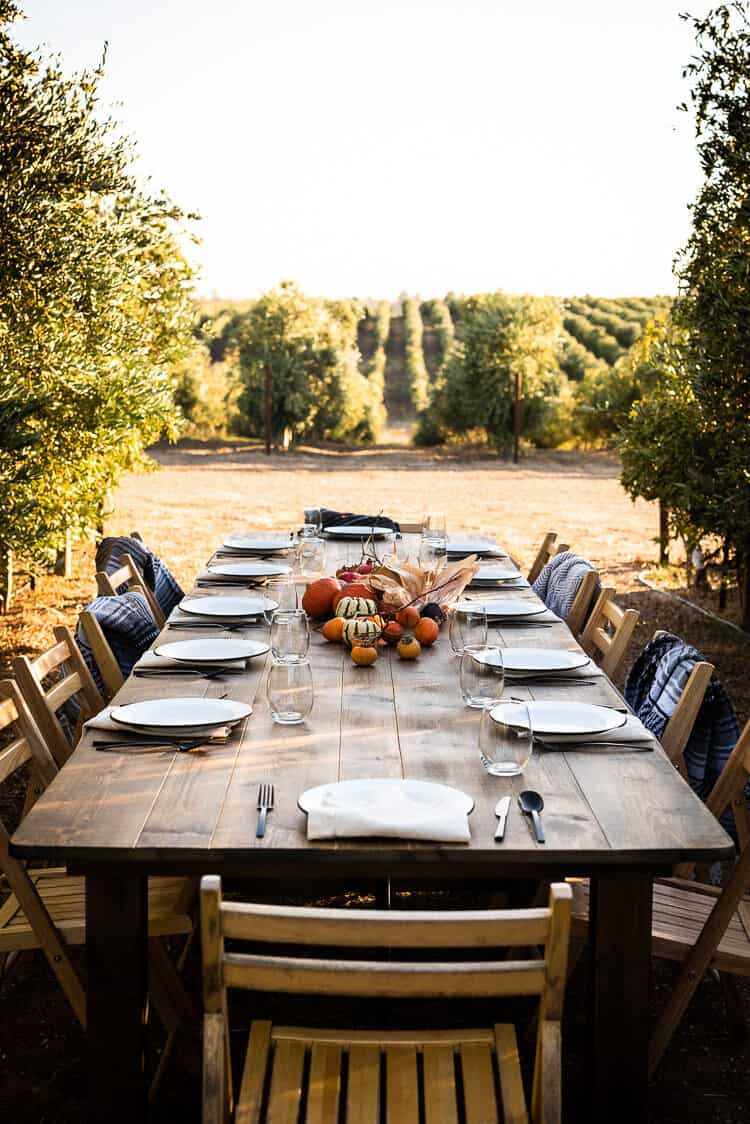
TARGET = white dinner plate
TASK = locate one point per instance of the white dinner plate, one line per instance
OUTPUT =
(180, 715)
(249, 569)
(369, 794)
(461, 547)
(377, 531)
(494, 574)
(255, 544)
(552, 718)
(212, 650)
(503, 607)
(548, 660)
(236, 608)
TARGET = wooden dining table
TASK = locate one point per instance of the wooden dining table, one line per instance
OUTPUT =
(618, 817)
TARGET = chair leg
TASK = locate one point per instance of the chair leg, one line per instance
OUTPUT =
(176, 1011)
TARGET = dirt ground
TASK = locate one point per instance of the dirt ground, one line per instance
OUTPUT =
(203, 490)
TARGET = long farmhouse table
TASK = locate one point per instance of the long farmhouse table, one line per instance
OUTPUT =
(619, 817)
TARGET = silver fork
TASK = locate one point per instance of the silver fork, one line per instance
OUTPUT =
(265, 805)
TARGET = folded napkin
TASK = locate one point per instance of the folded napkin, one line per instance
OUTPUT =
(632, 732)
(588, 671)
(103, 721)
(394, 816)
(498, 587)
(547, 617)
(150, 659)
(225, 579)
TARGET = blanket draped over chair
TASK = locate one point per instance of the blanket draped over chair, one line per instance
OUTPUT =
(558, 583)
(156, 573)
(129, 629)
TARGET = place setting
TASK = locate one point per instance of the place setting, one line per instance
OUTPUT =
(248, 573)
(176, 724)
(498, 577)
(547, 666)
(462, 547)
(387, 808)
(571, 726)
(229, 612)
(505, 611)
(209, 658)
(240, 544)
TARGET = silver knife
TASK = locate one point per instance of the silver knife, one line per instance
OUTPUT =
(501, 811)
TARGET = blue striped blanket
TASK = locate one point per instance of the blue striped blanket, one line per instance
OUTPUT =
(558, 582)
(156, 573)
(128, 626)
(653, 688)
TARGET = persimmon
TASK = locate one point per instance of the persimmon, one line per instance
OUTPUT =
(393, 632)
(333, 630)
(408, 616)
(426, 632)
(363, 655)
(408, 648)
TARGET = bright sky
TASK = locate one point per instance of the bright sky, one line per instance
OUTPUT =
(365, 147)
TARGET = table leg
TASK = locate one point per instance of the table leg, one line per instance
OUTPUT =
(116, 990)
(619, 992)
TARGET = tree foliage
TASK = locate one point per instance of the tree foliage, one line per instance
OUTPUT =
(419, 379)
(94, 302)
(309, 346)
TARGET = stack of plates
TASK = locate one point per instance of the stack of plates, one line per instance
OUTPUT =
(344, 531)
(503, 609)
(229, 609)
(520, 664)
(240, 544)
(461, 547)
(250, 570)
(180, 717)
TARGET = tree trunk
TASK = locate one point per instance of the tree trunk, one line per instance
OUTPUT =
(723, 585)
(516, 416)
(663, 535)
(64, 560)
(6, 580)
(744, 583)
(267, 410)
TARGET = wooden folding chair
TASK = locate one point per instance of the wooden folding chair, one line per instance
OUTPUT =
(454, 1074)
(581, 607)
(608, 632)
(64, 661)
(109, 669)
(46, 909)
(130, 576)
(545, 552)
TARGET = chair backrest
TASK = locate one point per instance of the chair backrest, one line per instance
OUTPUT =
(541, 975)
(129, 575)
(28, 746)
(545, 552)
(579, 610)
(109, 668)
(680, 726)
(45, 702)
(608, 632)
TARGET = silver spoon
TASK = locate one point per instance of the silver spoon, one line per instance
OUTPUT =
(531, 803)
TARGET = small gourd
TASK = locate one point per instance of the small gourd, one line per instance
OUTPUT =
(359, 630)
(356, 607)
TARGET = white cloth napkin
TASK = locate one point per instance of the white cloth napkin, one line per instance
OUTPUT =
(395, 816)
(103, 721)
(632, 731)
(150, 659)
(588, 671)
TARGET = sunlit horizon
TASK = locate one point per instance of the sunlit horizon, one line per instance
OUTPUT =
(413, 148)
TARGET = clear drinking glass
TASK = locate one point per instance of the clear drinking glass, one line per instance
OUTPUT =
(481, 675)
(467, 626)
(290, 635)
(434, 525)
(312, 522)
(310, 556)
(506, 739)
(284, 592)
(290, 691)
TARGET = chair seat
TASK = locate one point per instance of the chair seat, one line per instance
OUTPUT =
(680, 911)
(306, 1071)
(65, 900)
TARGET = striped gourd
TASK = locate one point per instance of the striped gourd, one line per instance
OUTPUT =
(359, 630)
(355, 607)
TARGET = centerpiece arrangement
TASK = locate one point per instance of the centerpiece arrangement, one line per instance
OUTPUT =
(388, 601)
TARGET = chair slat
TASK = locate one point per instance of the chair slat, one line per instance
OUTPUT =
(386, 979)
(254, 1074)
(407, 929)
(363, 1088)
(286, 1083)
(439, 1085)
(480, 1106)
(509, 1069)
(401, 1088)
(324, 1086)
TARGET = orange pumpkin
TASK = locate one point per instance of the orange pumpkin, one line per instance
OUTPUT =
(333, 629)
(426, 631)
(408, 616)
(317, 600)
(393, 632)
(408, 648)
(363, 655)
(353, 589)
